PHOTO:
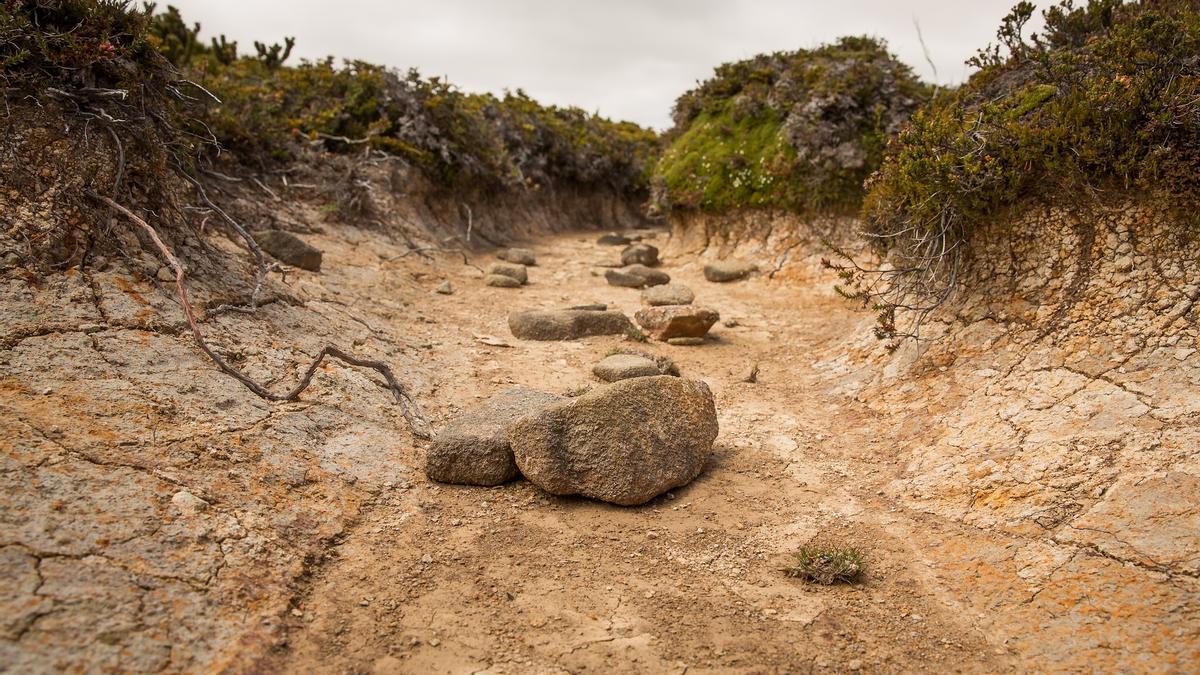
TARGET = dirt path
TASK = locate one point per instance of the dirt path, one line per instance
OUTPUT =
(438, 578)
(1018, 514)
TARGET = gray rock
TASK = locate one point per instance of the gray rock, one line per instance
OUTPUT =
(636, 276)
(614, 239)
(517, 272)
(625, 443)
(728, 270)
(290, 249)
(567, 324)
(501, 281)
(444, 288)
(669, 294)
(473, 449)
(519, 256)
(596, 307)
(640, 254)
(675, 321)
(624, 366)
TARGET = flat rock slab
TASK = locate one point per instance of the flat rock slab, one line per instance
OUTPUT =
(640, 254)
(636, 276)
(501, 281)
(614, 239)
(473, 449)
(676, 321)
(668, 294)
(503, 269)
(567, 324)
(289, 249)
(519, 256)
(625, 443)
(728, 270)
(624, 366)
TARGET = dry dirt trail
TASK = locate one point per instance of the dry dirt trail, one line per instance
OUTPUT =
(459, 579)
(220, 532)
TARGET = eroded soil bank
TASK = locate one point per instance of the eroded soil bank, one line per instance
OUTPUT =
(160, 516)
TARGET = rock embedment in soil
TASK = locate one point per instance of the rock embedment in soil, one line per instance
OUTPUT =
(567, 324)
(625, 443)
(668, 294)
(501, 281)
(289, 249)
(518, 256)
(625, 366)
(517, 272)
(640, 254)
(473, 448)
(636, 276)
(676, 321)
(724, 271)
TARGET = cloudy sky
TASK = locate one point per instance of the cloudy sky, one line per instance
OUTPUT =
(627, 59)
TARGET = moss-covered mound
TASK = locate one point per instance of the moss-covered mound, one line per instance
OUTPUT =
(798, 130)
(1105, 103)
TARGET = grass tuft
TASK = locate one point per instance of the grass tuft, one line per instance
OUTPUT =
(827, 565)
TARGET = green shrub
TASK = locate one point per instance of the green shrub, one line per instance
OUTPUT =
(827, 565)
(798, 130)
(1105, 101)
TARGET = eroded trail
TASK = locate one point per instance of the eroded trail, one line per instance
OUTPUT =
(441, 578)
(1038, 521)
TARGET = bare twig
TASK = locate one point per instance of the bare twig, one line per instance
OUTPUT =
(408, 407)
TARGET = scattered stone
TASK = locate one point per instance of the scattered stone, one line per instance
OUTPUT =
(597, 307)
(491, 341)
(444, 288)
(290, 249)
(567, 324)
(640, 254)
(614, 239)
(624, 444)
(685, 341)
(519, 256)
(517, 272)
(676, 321)
(624, 366)
(501, 281)
(636, 276)
(165, 274)
(188, 503)
(668, 294)
(473, 449)
(728, 270)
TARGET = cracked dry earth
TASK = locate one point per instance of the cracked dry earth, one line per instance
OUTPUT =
(158, 516)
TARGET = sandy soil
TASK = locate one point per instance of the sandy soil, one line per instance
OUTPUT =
(321, 547)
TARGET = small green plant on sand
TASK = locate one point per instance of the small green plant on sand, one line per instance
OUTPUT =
(827, 565)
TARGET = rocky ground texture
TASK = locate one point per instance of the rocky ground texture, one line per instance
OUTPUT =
(1024, 492)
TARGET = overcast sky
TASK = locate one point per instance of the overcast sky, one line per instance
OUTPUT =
(626, 59)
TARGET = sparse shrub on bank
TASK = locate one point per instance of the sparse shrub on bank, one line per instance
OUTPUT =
(792, 130)
(1105, 102)
(828, 565)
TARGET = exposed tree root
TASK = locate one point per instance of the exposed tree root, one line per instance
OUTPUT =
(408, 407)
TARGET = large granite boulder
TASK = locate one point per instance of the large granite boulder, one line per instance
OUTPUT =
(501, 281)
(676, 321)
(473, 449)
(625, 443)
(567, 324)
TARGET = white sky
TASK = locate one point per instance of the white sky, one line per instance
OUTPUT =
(626, 59)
